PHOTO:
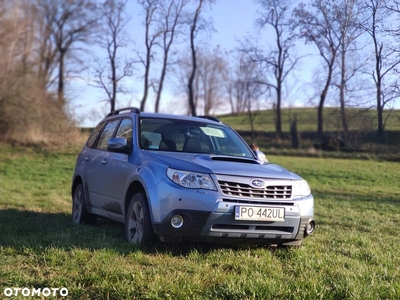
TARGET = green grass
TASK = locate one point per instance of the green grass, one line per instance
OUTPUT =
(354, 253)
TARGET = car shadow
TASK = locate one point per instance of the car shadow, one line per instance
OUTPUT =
(38, 231)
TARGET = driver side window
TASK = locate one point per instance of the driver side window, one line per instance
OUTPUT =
(125, 131)
(107, 134)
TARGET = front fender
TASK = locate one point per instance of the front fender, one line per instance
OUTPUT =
(148, 175)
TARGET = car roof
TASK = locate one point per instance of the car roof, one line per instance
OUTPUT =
(135, 111)
(206, 119)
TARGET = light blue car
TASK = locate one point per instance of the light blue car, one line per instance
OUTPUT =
(173, 178)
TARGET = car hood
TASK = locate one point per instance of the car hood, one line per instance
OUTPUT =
(223, 165)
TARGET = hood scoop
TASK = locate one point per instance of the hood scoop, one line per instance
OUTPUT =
(234, 159)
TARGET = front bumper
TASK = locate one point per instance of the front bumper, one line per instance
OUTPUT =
(220, 224)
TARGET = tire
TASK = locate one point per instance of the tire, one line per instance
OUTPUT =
(138, 228)
(79, 211)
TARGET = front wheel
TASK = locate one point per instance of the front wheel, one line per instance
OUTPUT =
(138, 228)
(79, 211)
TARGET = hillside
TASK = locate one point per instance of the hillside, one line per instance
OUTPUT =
(359, 119)
(360, 139)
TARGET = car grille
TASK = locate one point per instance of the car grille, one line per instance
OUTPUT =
(247, 191)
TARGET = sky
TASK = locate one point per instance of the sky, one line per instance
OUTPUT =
(232, 20)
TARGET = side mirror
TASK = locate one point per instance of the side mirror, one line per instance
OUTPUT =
(119, 145)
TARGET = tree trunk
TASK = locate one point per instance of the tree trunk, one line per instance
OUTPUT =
(380, 133)
(294, 134)
(146, 82)
(161, 84)
(378, 82)
(194, 62)
(278, 125)
(113, 99)
(320, 115)
(322, 101)
(341, 96)
(251, 125)
(60, 90)
(191, 79)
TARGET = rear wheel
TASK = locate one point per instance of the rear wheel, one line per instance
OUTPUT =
(79, 211)
(138, 228)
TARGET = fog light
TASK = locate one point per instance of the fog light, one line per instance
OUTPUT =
(177, 221)
(310, 227)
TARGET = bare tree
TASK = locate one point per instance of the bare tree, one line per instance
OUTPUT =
(209, 86)
(170, 20)
(347, 14)
(193, 31)
(317, 26)
(47, 61)
(20, 85)
(385, 56)
(212, 71)
(68, 23)
(12, 26)
(394, 6)
(278, 60)
(243, 88)
(186, 69)
(112, 38)
(152, 33)
(182, 70)
(237, 83)
(249, 90)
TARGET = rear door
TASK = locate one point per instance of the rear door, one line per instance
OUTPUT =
(86, 160)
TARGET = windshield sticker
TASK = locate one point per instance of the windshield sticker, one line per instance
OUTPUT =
(213, 132)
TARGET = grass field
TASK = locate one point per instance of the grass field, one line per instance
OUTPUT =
(354, 253)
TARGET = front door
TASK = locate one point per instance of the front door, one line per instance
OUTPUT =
(98, 170)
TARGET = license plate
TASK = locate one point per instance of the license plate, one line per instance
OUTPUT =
(255, 213)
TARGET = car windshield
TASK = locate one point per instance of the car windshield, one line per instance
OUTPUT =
(191, 136)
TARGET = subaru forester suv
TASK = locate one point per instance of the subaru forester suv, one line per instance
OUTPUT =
(173, 178)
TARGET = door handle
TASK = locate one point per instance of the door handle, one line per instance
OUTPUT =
(104, 161)
(87, 158)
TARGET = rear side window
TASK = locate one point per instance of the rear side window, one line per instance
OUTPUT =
(95, 133)
(107, 134)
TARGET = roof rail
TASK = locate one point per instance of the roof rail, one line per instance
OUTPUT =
(209, 118)
(125, 110)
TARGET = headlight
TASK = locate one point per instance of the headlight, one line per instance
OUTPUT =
(300, 188)
(191, 180)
